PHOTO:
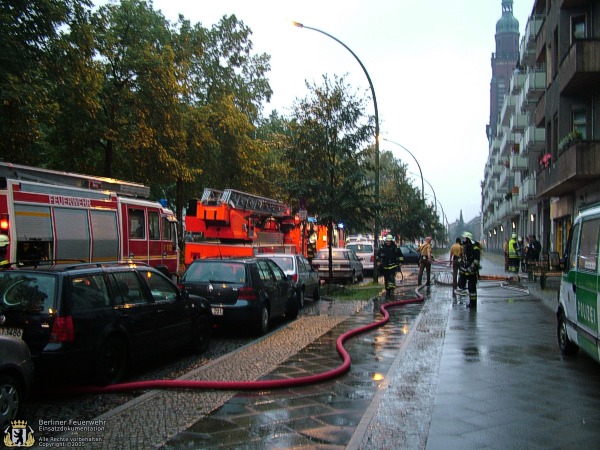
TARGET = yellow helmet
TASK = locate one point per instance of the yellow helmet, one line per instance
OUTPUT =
(4, 241)
(468, 235)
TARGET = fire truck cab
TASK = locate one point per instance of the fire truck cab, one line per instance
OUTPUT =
(65, 217)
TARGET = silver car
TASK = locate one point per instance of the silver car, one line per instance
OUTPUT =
(364, 251)
(16, 377)
(345, 265)
(304, 276)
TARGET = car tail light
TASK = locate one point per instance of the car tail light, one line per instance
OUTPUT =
(295, 278)
(62, 330)
(246, 293)
(372, 258)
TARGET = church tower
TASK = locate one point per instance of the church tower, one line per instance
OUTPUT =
(504, 62)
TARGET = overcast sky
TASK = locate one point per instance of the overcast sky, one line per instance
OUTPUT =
(429, 61)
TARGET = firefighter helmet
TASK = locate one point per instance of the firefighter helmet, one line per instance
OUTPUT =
(468, 235)
(389, 238)
(4, 241)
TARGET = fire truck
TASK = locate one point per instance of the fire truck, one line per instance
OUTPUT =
(67, 217)
(234, 223)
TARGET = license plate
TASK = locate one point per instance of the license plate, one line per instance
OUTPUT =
(16, 332)
(217, 311)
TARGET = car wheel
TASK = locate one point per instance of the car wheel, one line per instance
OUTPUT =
(262, 326)
(201, 335)
(293, 307)
(566, 345)
(112, 361)
(301, 297)
(317, 292)
(11, 394)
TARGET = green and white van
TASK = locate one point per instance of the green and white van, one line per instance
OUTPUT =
(577, 313)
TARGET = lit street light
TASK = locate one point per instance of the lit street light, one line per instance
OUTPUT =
(376, 224)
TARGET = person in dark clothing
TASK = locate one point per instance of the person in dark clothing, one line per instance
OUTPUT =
(388, 258)
(469, 269)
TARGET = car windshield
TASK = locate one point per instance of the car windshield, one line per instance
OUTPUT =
(360, 248)
(216, 271)
(285, 262)
(27, 291)
(335, 254)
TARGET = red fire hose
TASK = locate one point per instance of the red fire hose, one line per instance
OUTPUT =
(258, 384)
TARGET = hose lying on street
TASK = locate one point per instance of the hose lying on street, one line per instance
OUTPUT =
(258, 384)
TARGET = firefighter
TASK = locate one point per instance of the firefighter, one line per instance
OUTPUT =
(425, 261)
(469, 269)
(388, 259)
(311, 248)
(513, 255)
(4, 241)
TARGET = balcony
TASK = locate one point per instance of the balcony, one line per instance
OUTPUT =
(508, 108)
(528, 44)
(577, 166)
(497, 170)
(534, 140)
(518, 122)
(534, 87)
(506, 179)
(516, 82)
(527, 191)
(518, 162)
(579, 72)
(507, 143)
(495, 147)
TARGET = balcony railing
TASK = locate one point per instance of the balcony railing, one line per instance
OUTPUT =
(516, 82)
(518, 162)
(534, 139)
(534, 87)
(577, 166)
(580, 69)
(527, 191)
(518, 122)
(508, 108)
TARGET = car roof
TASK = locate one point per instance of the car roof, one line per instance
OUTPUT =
(78, 267)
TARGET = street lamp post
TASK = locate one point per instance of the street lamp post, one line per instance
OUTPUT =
(418, 165)
(376, 224)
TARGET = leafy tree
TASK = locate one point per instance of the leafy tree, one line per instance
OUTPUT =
(28, 28)
(329, 160)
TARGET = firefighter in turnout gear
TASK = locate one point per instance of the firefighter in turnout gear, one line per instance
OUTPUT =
(388, 258)
(4, 241)
(469, 269)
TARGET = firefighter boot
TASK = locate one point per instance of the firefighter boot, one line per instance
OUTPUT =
(472, 301)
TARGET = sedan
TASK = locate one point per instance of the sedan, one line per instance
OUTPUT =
(243, 291)
(304, 276)
(345, 265)
(16, 377)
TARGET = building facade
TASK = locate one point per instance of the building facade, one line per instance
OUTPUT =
(543, 163)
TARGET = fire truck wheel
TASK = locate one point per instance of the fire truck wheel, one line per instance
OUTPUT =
(262, 325)
(112, 361)
(200, 335)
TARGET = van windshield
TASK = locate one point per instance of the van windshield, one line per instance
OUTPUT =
(27, 291)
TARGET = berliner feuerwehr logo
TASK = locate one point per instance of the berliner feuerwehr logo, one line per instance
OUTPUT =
(18, 434)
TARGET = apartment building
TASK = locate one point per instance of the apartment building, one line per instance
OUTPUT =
(543, 163)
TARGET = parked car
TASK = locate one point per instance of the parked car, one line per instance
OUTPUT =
(364, 251)
(409, 255)
(100, 317)
(345, 265)
(304, 276)
(243, 291)
(16, 376)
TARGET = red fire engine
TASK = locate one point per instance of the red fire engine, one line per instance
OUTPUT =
(234, 223)
(61, 216)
